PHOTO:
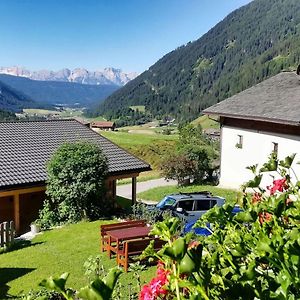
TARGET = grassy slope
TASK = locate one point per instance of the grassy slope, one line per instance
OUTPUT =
(158, 193)
(206, 122)
(53, 253)
(149, 147)
(125, 139)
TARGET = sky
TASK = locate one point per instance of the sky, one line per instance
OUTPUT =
(94, 34)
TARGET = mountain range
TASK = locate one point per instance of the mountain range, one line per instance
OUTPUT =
(47, 93)
(251, 44)
(108, 76)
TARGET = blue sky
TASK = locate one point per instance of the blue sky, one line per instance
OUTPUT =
(93, 34)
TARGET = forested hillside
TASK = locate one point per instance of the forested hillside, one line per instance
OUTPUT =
(7, 116)
(55, 92)
(12, 100)
(252, 43)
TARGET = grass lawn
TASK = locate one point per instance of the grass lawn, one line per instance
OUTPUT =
(125, 139)
(53, 253)
(158, 193)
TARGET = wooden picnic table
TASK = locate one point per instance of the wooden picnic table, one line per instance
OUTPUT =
(121, 235)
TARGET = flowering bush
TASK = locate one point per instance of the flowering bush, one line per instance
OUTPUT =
(254, 254)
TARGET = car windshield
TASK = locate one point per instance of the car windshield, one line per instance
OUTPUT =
(167, 201)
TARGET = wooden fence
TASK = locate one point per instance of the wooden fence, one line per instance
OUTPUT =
(7, 233)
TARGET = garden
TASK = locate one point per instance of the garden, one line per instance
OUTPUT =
(251, 254)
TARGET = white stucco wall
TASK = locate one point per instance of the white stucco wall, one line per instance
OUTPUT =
(257, 146)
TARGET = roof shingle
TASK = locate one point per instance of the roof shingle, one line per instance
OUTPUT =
(276, 99)
(25, 148)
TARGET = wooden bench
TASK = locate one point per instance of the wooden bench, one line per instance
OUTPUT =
(135, 247)
(115, 226)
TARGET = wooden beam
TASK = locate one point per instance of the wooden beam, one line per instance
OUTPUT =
(17, 211)
(133, 190)
(35, 189)
(122, 176)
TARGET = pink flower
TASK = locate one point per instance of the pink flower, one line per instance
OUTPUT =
(146, 293)
(278, 185)
(156, 286)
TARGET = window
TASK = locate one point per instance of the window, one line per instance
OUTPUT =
(202, 205)
(239, 143)
(275, 148)
(186, 205)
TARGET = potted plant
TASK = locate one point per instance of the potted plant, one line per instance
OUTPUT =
(35, 227)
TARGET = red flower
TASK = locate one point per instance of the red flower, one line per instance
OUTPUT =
(156, 286)
(265, 217)
(278, 185)
(256, 198)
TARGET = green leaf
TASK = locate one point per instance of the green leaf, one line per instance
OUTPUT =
(55, 284)
(243, 217)
(101, 289)
(254, 182)
(111, 278)
(288, 161)
(177, 250)
(191, 260)
(252, 168)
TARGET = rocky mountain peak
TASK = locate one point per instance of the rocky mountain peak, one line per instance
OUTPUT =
(111, 76)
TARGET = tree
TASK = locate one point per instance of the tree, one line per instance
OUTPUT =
(190, 134)
(192, 159)
(178, 167)
(75, 185)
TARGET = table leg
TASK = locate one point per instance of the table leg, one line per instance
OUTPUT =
(117, 250)
(109, 247)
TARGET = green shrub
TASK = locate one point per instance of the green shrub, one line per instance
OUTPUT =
(75, 185)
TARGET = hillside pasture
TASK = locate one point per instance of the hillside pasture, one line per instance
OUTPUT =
(149, 147)
(206, 122)
(140, 108)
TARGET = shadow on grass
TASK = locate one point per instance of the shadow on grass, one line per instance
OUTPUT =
(20, 244)
(9, 274)
(124, 207)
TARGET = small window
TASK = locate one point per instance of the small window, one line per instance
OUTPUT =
(202, 205)
(239, 143)
(186, 205)
(275, 148)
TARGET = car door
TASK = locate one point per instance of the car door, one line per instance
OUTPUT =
(201, 206)
(187, 206)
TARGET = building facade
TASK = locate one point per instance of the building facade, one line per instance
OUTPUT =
(257, 122)
(25, 148)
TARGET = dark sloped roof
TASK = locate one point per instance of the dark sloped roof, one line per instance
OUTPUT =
(276, 100)
(25, 147)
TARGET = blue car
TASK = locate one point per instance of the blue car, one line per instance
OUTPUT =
(204, 231)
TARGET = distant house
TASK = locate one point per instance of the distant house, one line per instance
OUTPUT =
(25, 148)
(257, 121)
(83, 121)
(103, 125)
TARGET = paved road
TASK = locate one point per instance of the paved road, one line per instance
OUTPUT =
(125, 190)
